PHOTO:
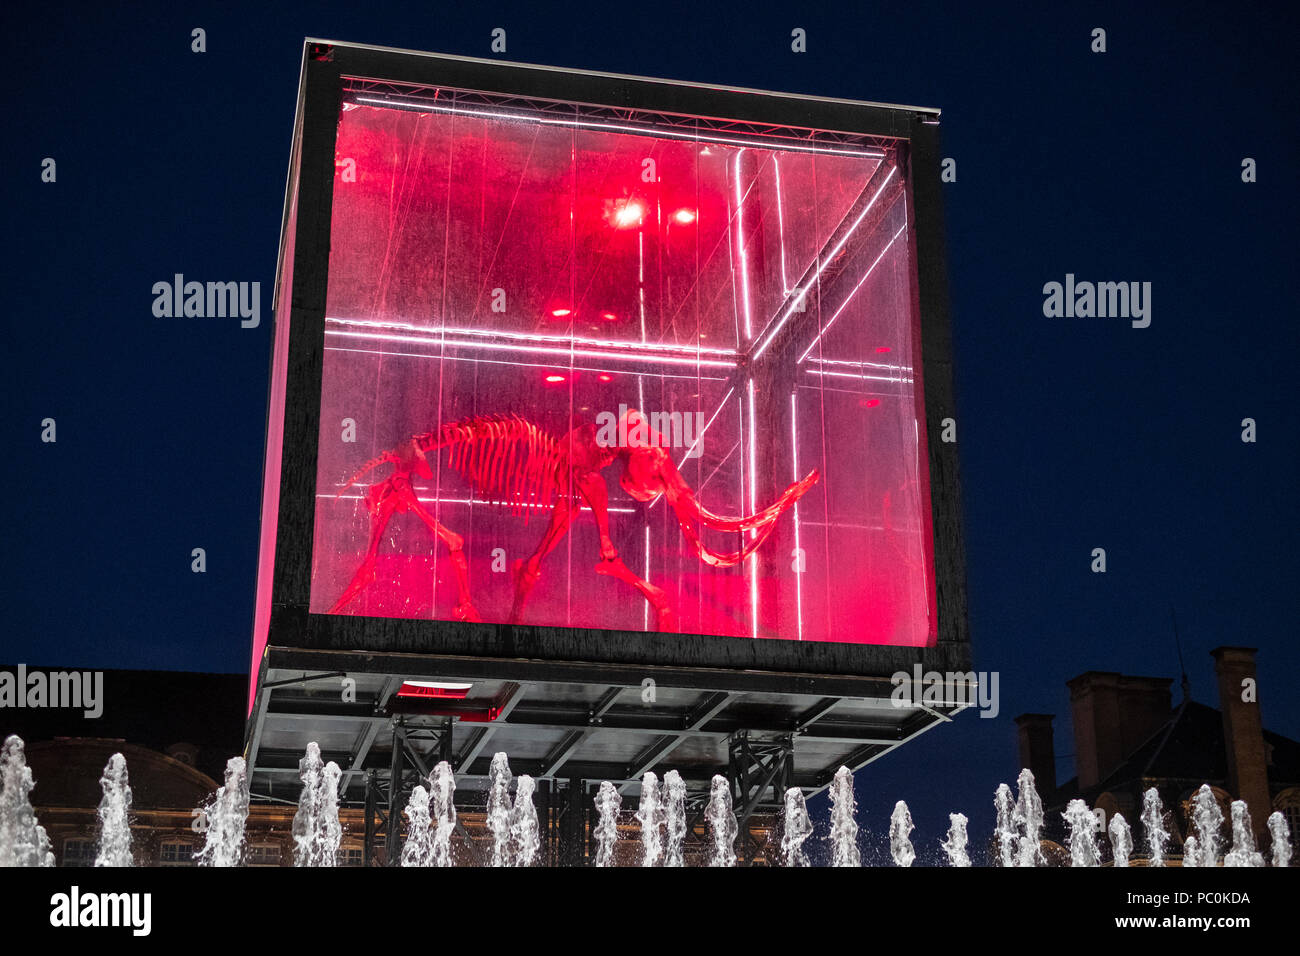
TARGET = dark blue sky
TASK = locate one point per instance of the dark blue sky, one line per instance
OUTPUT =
(1074, 433)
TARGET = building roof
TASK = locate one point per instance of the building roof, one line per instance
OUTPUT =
(1188, 746)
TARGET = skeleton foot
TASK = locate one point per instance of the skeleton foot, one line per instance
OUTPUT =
(364, 577)
(666, 616)
(524, 581)
(466, 612)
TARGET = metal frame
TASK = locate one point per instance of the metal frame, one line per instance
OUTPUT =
(716, 677)
(291, 624)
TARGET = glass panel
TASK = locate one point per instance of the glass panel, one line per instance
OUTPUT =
(705, 337)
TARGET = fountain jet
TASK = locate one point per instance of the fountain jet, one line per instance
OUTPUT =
(900, 825)
(114, 815)
(722, 822)
(23, 841)
(608, 804)
(227, 815)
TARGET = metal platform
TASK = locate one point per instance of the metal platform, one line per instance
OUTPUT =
(599, 722)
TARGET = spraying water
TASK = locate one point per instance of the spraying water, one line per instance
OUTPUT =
(114, 815)
(608, 804)
(523, 823)
(498, 808)
(650, 813)
(798, 828)
(1207, 818)
(442, 793)
(1243, 852)
(900, 825)
(722, 822)
(316, 829)
(23, 841)
(1281, 836)
(1121, 839)
(844, 828)
(1005, 834)
(226, 815)
(1191, 855)
(1153, 822)
(418, 848)
(674, 817)
(955, 844)
(1028, 817)
(1083, 834)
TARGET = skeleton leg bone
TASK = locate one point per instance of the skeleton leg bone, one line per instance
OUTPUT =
(383, 502)
(593, 488)
(465, 610)
(527, 572)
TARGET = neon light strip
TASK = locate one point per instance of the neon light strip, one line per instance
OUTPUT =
(740, 248)
(850, 296)
(531, 337)
(780, 225)
(826, 261)
(482, 502)
(753, 507)
(656, 131)
(798, 574)
(880, 365)
(869, 378)
(700, 437)
(486, 361)
(537, 350)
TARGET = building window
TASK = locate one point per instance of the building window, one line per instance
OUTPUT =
(1292, 816)
(176, 853)
(350, 856)
(78, 851)
(264, 854)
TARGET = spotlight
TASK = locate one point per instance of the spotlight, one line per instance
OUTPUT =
(684, 216)
(629, 215)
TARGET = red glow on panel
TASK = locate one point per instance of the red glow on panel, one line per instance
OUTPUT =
(629, 214)
(669, 312)
(429, 689)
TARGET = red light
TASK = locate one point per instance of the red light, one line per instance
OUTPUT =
(433, 689)
(629, 215)
(883, 348)
(605, 377)
(684, 216)
(608, 316)
(555, 378)
(872, 402)
(561, 313)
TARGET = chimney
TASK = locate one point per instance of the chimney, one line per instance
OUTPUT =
(1094, 707)
(1243, 731)
(1036, 750)
(1113, 716)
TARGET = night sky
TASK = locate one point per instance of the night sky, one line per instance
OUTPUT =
(1073, 433)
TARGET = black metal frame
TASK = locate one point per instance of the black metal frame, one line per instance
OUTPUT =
(720, 671)
(326, 69)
